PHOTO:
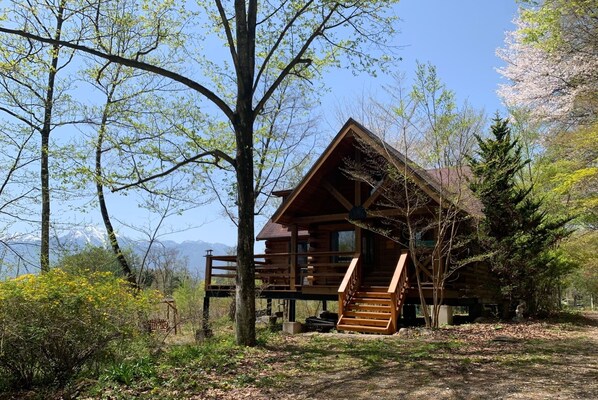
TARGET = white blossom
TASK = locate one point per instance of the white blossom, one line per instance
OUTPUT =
(560, 85)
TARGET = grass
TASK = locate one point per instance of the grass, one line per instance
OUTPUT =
(461, 360)
(219, 364)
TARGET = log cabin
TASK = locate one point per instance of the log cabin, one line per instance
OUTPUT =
(340, 235)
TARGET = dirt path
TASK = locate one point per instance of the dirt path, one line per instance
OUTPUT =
(481, 361)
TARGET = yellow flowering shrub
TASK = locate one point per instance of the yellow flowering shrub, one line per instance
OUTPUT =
(53, 324)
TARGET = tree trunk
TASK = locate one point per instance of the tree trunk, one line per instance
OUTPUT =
(45, 147)
(243, 120)
(45, 217)
(126, 269)
(245, 289)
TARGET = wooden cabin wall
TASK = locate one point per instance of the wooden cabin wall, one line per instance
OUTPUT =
(387, 252)
(477, 281)
(274, 246)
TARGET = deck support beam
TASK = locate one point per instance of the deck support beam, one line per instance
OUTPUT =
(292, 310)
(268, 306)
(205, 322)
(293, 266)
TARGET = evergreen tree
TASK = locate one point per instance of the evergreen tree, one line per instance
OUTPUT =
(515, 232)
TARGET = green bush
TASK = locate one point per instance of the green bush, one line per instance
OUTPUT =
(189, 301)
(54, 324)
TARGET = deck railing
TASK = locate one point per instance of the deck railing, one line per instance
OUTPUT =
(398, 289)
(277, 271)
(350, 284)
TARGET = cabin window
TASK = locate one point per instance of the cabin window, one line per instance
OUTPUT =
(301, 248)
(342, 241)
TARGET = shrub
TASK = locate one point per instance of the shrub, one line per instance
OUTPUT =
(54, 324)
(189, 300)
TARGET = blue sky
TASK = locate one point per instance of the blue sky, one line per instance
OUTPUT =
(459, 37)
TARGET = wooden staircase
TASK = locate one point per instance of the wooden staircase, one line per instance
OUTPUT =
(368, 310)
(372, 304)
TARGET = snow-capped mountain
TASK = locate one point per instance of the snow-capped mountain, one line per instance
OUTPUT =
(20, 253)
(89, 235)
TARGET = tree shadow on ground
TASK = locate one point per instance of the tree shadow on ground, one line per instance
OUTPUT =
(390, 368)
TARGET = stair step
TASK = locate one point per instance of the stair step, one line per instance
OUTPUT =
(364, 321)
(377, 282)
(369, 307)
(373, 295)
(358, 313)
(374, 288)
(365, 329)
(370, 300)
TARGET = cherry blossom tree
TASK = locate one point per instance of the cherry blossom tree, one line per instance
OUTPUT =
(552, 62)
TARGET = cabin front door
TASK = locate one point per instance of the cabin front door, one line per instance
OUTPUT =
(378, 252)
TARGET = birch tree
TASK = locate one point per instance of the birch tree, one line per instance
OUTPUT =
(126, 104)
(32, 94)
(425, 124)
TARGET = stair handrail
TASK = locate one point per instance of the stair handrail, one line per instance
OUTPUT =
(350, 284)
(398, 288)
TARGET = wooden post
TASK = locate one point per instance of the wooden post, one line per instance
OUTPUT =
(358, 237)
(208, 275)
(205, 323)
(291, 310)
(357, 202)
(268, 306)
(176, 320)
(324, 305)
(293, 277)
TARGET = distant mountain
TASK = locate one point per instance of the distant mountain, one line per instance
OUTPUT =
(20, 254)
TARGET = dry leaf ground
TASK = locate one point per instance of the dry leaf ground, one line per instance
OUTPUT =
(532, 360)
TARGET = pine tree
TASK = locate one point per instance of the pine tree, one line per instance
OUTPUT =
(515, 232)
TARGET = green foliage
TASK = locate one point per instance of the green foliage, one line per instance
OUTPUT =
(567, 178)
(516, 232)
(568, 175)
(189, 299)
(55, 324)
(549, 20)
(91, 259)
(581, 249)
(495, 181)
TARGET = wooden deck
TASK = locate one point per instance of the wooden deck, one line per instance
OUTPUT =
(312, 276)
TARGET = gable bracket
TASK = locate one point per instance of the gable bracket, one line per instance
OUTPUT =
(337, 195)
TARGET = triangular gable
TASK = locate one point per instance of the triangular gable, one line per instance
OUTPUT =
(424, 180)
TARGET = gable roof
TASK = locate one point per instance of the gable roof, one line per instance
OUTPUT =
(436, 183)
